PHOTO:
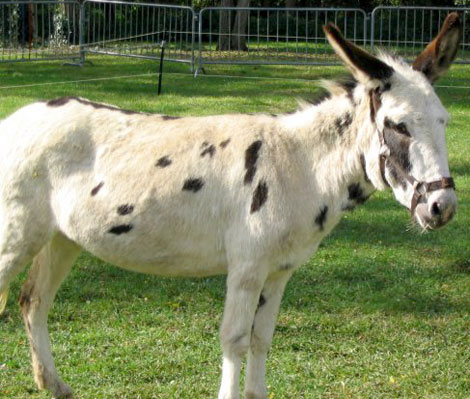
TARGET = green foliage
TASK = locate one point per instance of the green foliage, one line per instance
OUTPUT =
(378, 312)
(366, 5)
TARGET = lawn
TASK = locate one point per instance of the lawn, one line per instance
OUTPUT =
(378, 312)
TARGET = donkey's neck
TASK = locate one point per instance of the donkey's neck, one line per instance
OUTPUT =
(333, 137)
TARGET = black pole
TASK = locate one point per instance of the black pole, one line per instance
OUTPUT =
(160, 72)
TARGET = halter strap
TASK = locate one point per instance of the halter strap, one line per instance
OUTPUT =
(419, 188)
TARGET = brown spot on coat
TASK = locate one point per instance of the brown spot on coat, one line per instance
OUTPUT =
(64, 100)
(58, 102)
(193, 184)
(170, 118)
(224, 143)
(97, 188)
(208, 150)
(355, 197)
(356, 194)
(343, 122)
(251, 157)
(120, 229)
(125, 209)
(321, 217)
(259, 196)
(163, 162)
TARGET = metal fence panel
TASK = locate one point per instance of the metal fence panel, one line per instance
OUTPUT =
(65, 29)
(39, 30)
(234, 35)
(136, 30)
(407, 30)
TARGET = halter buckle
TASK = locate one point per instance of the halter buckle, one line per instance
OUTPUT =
(420, 188)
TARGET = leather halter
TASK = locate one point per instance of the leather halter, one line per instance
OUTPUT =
(420, 188)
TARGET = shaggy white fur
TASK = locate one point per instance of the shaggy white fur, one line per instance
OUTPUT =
(247, 195)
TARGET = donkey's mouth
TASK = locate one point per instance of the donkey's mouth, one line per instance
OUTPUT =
(429, 220)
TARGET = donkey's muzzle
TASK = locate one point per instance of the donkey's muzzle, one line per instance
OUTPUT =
(438, 210)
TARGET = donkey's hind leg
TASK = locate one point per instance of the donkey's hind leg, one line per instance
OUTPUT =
(10, 266)
(21, 237)
(50, 267)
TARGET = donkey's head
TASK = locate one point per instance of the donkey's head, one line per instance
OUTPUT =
(407, 149)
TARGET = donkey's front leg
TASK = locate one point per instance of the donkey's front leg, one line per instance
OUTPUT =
(262, 334)
(244, 284)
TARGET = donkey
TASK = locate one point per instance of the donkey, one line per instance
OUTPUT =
(251, 196)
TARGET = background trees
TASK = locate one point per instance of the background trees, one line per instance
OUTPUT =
(366, 5)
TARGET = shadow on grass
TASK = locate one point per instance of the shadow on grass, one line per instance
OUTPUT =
(366, 287)
(460, 168)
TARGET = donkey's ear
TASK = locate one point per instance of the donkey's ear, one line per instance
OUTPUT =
(436, 58)
(366, 68)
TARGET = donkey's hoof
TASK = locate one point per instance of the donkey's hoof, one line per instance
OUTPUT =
(62, 391)
(252, 395)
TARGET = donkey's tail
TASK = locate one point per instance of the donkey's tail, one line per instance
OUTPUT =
(3, 300)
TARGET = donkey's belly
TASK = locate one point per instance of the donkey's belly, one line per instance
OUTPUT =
(174, 254)
(154, 245)
(170, 265)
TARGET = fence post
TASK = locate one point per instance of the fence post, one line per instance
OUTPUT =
(195, 23)
(372, 30)
(81, 31)
(366, 28)
(199, 68)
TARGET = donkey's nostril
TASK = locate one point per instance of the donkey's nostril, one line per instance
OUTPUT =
(436, 209)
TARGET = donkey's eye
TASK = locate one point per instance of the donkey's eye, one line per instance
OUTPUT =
(397, 127)
(402, 129)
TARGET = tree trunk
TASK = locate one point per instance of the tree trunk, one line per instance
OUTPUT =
(32, 31)
(225, 22)
(239, 27)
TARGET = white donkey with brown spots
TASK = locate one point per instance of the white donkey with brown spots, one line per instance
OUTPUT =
(251, 196)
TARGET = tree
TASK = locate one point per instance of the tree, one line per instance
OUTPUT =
(233, 26)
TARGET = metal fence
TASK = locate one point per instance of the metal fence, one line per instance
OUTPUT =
(70, 29)
(136, 29)
(407, 30)
(31, 30)
(274, 35)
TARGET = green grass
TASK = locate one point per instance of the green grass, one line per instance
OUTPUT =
(378, 312)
